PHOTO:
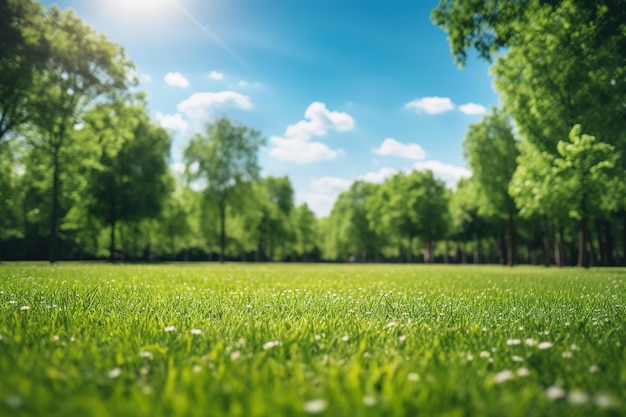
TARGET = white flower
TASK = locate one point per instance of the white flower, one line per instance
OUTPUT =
(413, 377)
(522, 372)
(544, 345)
(555, 392)
(530, 342)
(503, 376)
(604, 401)
(516, 358)
(484, 354)
(470, 357)
(25, 308)
(390, 324)
(402, 338)
(197, 368)
(577, 397)
(196, 331)
(170, 328)
(271, 344)
(594, 369)
(115, 372)
(235, 355)
(315, 406)
(369, 400)
(566, 354)
(512, 342)
(345, 338)
(145, 354)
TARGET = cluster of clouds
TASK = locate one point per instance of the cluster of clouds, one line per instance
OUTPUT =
(201, 106)
(296, 144)
(301, 141)
(436, 105)
(323, 192)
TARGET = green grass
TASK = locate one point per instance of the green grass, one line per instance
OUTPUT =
(350, 340)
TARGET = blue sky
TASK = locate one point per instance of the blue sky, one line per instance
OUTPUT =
(342, 90)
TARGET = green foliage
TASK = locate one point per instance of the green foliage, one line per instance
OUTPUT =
(392, 340)
(223, 160)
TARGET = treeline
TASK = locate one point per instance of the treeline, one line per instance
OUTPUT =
(84, 172)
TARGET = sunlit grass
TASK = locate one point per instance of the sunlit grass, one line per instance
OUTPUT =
(344, 340)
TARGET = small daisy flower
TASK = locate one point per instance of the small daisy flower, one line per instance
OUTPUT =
(513, 342)
(544, 345)
(577, 397)
(196, 331)
(369, 401)
(345, 338)
(315, 406)
(530, 342)
(170, 328)
(522, 372)
(555, 392)
(413, 377)
(504, 376)
(114, 373)
(25, 308)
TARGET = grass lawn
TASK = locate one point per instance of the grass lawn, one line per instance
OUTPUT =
(329, 340)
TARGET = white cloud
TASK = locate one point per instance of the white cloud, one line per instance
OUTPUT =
(174, 122)
(324, 191)
(301, 151)
(473, 108)
(327, 185)
(448, 173)
(144, 78)
(430, 105)
(176, 79)
(215, 75)
(378, 177)
(392, 147)
(320, 122)
(296, 145)
(201, 106)
(242, 83)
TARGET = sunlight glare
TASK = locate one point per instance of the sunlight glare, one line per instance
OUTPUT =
(141, 8)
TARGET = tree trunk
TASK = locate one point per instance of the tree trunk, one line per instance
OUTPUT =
(546, 250)
(222, 210)
(559, 248)
(583, 237)
(609, 244)
(428, 252)
(477, 251)
(511, 252)
(54, 213)
(623, 263)
(112, 247)
(502, 249)
(446, 255)
(409, 252)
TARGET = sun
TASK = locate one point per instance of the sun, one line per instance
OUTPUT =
(141, 9)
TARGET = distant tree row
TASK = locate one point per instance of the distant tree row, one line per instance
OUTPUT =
(84, 172)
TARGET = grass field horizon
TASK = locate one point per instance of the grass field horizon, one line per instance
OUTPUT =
(96, 339)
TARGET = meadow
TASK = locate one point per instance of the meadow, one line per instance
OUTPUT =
(329, 340)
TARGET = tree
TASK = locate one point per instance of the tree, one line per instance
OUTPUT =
(83, 68)
(22, 54)
(306, 231)
(413, 205)
(274, 228)
(130, 180)
(221, 158)
(353, 233)
(491, 151)
(489, 25)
